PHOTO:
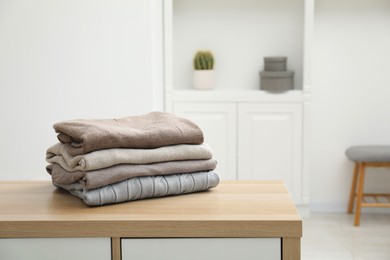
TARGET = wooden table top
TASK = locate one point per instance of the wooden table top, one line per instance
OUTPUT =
(232, 209)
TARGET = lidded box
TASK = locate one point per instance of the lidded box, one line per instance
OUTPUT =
(275, 63)
(276, 77)
(276, 80)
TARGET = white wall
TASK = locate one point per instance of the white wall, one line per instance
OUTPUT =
(72, 59)
(351, 94)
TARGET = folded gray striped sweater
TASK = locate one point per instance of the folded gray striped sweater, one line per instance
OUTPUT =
(102, 177)
(144, 187)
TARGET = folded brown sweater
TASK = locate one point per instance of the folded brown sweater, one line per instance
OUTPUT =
(99, 178)
(151, 130)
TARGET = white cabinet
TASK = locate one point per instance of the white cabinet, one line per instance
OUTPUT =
(252, 140)
(270, 139)
(202, 248)
(55, 248)
(270, 143)
(218, 122)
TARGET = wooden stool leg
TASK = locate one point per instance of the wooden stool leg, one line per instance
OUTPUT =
(360, 191)
(353, 188)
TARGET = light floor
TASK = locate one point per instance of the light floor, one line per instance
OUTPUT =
(333, 236)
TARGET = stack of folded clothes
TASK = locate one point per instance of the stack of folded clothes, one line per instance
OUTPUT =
(105, 161)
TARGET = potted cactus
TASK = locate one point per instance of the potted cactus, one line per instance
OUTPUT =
(203, 77)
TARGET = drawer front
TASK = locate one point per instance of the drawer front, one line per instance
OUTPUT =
(55, 248)
(201, 248)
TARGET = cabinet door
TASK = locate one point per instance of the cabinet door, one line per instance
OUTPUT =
(55, 248)
(202, 248)
(270, 144)
(218, 122)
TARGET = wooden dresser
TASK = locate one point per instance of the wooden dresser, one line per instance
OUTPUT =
(236, 220)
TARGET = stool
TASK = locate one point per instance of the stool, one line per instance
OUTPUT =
(366, 156)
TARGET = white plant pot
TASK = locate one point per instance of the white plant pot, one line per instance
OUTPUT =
(203, 79)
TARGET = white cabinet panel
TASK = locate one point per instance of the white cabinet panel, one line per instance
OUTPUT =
(253, 141)
(55, 248)
(202, 248)
(270, 143)
(218, 122)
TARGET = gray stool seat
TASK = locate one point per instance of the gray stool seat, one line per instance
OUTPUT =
(369, 153)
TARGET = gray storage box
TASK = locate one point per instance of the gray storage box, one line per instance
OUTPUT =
(276, 81)
(275, 63)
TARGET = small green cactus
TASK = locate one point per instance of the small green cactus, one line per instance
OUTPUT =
(203, 60)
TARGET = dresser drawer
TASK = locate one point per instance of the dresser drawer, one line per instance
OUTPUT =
(55, 248)
(201, 248)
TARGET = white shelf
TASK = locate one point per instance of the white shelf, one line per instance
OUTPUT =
(192, 95)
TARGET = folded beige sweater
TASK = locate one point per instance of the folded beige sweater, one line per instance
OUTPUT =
(59, 153)
(117, 173)
(151, 130)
